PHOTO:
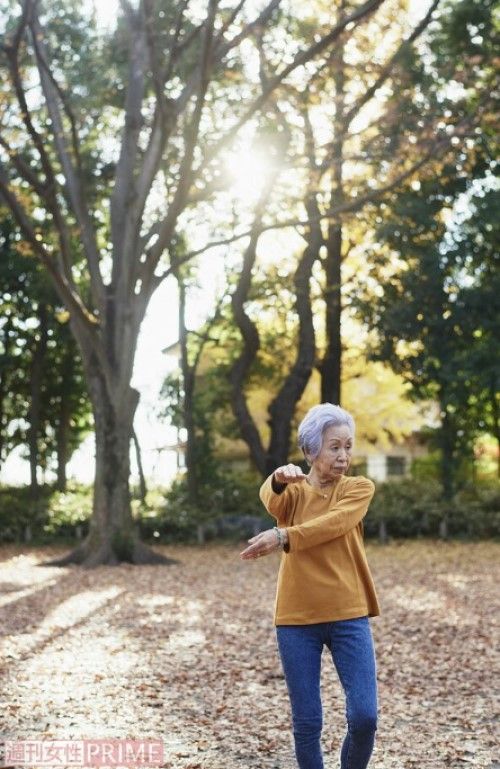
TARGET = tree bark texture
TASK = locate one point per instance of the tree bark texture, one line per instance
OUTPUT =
(140, 469)
(188, 384)
(448, 465)
(282, 408)
(331, 365)
(242, 364)
(63, 420)
(36, 375)
(113, 535)
(496, 416)
(4, 384)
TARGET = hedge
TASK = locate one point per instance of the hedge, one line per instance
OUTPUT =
(232, 509)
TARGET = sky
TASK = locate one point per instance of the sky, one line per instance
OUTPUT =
(159, 330)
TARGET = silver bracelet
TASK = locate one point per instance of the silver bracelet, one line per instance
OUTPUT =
(281, 541)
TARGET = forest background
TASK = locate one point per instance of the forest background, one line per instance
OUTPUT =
(307, 194)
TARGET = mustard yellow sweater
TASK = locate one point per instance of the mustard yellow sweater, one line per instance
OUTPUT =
(324, 575)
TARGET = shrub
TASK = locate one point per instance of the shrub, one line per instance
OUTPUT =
(68, 509)
(230, 507)
(409, 507)
(54, 514)
(17, 512)
(415, 508)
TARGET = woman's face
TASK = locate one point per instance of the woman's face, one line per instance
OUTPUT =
(335, 455)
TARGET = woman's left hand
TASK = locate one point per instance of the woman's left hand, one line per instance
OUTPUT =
(263, 544)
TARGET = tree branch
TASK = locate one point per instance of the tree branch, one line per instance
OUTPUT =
(164, 230)
(301, 58)
(12, 51)
(351, 206)
(185, 172)
(247, 30)
(72, 179)
(174, 43)
(251, 344)
(204, 338)
(47, 195)
(123, 225)
(230, 20)
(71, 299)
(282, 407)
(387, 69)
(46, 190)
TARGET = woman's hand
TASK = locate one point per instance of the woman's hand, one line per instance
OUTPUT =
(289, 474)
(263, 544)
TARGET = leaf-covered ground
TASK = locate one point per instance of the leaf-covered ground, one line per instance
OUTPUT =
(187, 654)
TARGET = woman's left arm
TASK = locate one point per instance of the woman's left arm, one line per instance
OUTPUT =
(341, 518)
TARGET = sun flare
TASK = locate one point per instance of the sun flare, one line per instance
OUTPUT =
(248, 171)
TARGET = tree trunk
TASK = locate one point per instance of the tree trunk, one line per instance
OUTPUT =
(448, 464)
(495, 410)
(331, 365)
(40, 349)
(4, 388)
(63, 423)
(140, 469)
(189, 423)
(62, 442)
(188, 383)
(113, 536)
(243, 363)
(282, 408)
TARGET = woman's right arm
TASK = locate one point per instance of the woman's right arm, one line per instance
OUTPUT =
(275, 492)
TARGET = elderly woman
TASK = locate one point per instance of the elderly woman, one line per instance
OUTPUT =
(325, 592)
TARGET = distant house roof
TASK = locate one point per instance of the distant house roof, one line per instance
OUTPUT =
(172, 349)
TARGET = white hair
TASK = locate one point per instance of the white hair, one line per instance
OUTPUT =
(316, 421)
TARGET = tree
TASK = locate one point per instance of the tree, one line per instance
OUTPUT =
(473, 250)
(185, 409)
(373, 392)
(43, 400)
(67, 411)
(425, 308)
(337, 177)
(436, 316)
(175, 63)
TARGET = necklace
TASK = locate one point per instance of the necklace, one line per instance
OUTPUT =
(321, 487)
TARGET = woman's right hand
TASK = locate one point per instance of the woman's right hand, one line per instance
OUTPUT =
(289, 474)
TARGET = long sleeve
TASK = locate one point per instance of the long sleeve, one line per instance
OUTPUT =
(277, 505)
(341, 518)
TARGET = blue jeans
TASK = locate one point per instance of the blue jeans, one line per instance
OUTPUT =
(351, 644)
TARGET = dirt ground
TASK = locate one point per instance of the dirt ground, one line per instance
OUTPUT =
(187, 654)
